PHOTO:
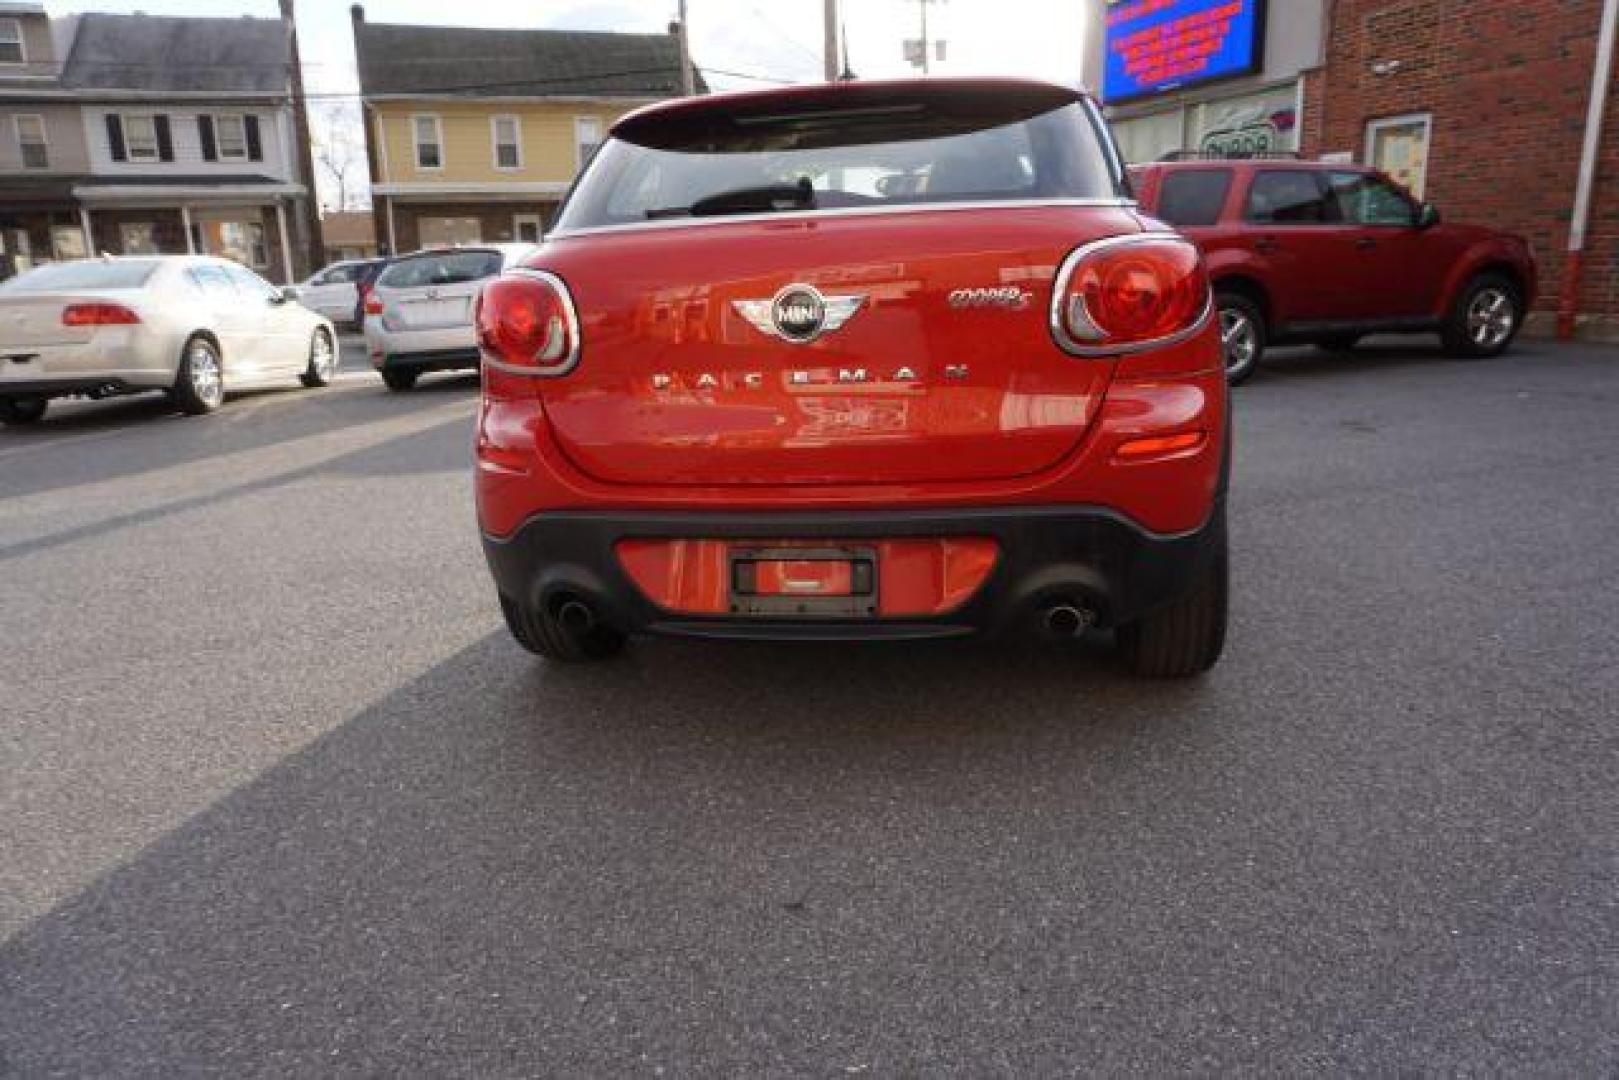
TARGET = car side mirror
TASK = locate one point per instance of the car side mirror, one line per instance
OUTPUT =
(288, 295)
(1427, 216)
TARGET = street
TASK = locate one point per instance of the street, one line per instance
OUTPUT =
(281, 795)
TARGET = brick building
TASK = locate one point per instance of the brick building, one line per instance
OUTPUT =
(1480, 107)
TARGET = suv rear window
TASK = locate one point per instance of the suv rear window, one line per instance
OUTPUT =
(854, 151)
(441, 268)
(1193, 197)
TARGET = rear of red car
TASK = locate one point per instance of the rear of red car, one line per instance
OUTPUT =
(863, 361)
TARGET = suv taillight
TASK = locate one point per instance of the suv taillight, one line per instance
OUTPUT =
(527, 323)
(98, 315)
(1129, 293)
(373, 305)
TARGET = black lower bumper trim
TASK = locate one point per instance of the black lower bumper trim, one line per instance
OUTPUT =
(1089, 556)
(70, 387)
(437, 360)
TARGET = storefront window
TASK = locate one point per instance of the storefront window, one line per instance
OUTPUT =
(448, 231)
(67, 242)
(138, 238)
(240, 241)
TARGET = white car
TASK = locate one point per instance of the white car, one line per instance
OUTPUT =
(190, 325)
(418, 317)
(338, 291)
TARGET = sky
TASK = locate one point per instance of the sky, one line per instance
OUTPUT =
(772, 40)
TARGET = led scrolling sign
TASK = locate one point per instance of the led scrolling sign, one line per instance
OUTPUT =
(1154, 46)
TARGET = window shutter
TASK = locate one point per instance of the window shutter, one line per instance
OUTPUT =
(115, 137)
(205, 132)
(255, 149)
(165, 141)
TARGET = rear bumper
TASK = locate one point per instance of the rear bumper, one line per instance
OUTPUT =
(431, 360)
(443, 348)
(1048, 554)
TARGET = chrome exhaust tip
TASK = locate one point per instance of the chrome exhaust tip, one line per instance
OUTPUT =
(1067, 621)
(576, 616)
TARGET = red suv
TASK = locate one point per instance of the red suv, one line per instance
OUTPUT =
(1317, 253)
(872, 360)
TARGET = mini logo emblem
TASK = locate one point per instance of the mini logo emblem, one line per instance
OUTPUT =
(799, 313)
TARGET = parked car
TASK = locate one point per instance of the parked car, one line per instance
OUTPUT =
(754, 387)
(1323, 253)
(191, 326)
(339, 291)
(418, 317)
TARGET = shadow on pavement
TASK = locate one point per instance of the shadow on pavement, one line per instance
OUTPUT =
(733, 856)
(145, 433)
(1302, 363)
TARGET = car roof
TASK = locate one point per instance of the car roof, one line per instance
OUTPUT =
(1266, 163)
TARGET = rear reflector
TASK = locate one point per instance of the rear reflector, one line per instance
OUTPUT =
(98, 315)
(1160, 445)
(1129, 293)
(527, 324)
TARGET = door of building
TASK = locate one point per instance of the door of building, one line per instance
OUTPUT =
(527, 228)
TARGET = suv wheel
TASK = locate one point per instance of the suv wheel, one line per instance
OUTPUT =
(1242, 335)
(199, 385)
(566, 631)
(1185, 638)
(398, 381)
(22, 410)
(1484, 319)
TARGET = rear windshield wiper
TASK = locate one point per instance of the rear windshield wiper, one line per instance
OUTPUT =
(749, 200)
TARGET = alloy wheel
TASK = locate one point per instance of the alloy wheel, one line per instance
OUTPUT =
(324, 357)
(1491, 318)
(1239, 337)
(206, 379)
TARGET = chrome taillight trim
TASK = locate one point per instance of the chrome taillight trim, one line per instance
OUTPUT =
(1059, 327)
(570, 316)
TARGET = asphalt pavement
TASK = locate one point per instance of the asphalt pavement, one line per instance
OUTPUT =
(281, 798)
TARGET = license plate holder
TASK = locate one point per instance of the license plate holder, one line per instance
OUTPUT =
(803, 582)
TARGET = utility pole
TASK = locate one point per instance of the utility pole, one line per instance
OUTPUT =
(923, 5)
(314, 250)
(918, 51)
(688, 78)
(831, 50)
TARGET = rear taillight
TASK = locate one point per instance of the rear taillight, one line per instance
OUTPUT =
(1129, 293)
(98, 315)
(527, 323)
(373, 305)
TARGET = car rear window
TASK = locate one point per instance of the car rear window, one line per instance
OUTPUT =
(441, 268)
(85, 274)
(843, 152)
(1189, 198)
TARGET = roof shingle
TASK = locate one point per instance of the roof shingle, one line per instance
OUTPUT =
(454, 61)
(162, 53)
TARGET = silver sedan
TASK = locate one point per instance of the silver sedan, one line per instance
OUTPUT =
(191, 326)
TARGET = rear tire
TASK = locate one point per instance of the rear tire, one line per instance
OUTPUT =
(16, 411)
(1487, 315)
(399, 381)
(322, 360)
(542, 632)
(1242, 335)
(199, 385)
(1185, 638)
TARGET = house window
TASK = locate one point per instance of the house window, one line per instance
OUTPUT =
(449, 231)
(508, 142)
(31, 142)
(429, 142)
(140, 138)
(230, 137)
(11, 50)
(138, 238)
(587, 136)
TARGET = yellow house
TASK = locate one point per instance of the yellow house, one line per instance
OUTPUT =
(474, 135)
